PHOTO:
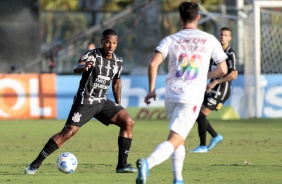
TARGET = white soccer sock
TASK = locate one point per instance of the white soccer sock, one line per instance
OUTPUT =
(177, 159)
(160, 154)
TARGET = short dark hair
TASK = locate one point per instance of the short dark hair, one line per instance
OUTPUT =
(109, 32)
(226, 29)
(188, 11)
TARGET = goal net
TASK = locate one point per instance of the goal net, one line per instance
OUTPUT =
(262, 47)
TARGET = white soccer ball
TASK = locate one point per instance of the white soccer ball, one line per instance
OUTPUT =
(66, 162)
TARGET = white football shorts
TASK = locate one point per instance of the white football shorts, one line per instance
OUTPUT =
(181, 117)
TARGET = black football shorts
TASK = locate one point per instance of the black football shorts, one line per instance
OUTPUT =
(104, 112)
(216, 98)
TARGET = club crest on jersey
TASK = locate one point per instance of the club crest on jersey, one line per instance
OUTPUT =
(76, 117)
(115, 70)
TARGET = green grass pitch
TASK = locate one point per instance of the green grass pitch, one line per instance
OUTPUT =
(251, 153)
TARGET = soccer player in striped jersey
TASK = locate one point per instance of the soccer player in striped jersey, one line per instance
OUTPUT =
(189, 51)
(218, 91)
(99, 67)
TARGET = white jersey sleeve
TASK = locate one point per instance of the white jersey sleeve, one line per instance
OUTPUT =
(163, 47)
(218, 54)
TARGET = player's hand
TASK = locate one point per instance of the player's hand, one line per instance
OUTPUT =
(149, 96)
(210, 86)
(88, 65)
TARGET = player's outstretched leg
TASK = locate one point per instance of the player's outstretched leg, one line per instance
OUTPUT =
(67, 132)
(49, 148)
(143, 171)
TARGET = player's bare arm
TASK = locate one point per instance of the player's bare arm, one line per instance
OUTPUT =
(152, 75)
(116, 87)
(219, 72)
(229, 77)
(82, 66)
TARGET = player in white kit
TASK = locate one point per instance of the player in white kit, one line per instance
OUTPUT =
(189, 51)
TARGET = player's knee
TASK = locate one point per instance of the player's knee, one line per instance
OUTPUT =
(69, 131)
(130, 123)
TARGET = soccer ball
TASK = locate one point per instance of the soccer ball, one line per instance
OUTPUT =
(66, 162)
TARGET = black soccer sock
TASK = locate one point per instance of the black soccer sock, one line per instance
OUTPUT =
(202, 128)
(49, 148)
(124, 145)
(211, 130)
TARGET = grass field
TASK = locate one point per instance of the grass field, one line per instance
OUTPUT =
(251, 153)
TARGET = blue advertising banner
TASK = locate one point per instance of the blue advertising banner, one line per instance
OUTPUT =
(66, 87)
(134, 89)
(270, 96)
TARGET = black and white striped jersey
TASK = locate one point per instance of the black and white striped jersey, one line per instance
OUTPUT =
(221, 92)
(95, 82)
(231, 64)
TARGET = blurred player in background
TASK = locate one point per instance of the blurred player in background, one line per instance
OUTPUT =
(218, 91)
(99, 67)
(190, 51)
(91, 45)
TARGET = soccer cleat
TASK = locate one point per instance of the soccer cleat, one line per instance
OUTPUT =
(127, 169)
(178, 181)
(143, 171)
(31, 169)
(200, 149)
(214, 141)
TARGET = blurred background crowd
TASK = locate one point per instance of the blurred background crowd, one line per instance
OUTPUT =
(49, 36)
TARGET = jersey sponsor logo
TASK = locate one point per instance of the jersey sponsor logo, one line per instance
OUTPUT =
(104, 77)
(177, 90)
(100, 86)
(192, 40)
(76, 117)
(101, 82)
(219, 106)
